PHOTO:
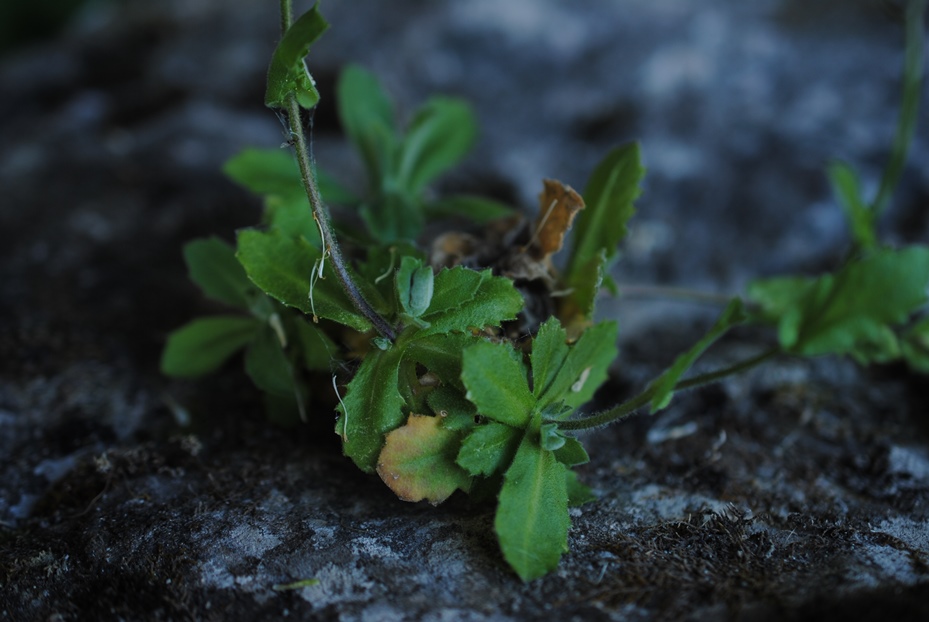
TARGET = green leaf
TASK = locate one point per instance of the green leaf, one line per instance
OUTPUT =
(489, 448)
(452, 408)
(266, 172)
(851, 311)
(549, 351)
(440, 135)
(478, 209)
(578, 493)
(282, 266)
(440, 354)
(418, 461)
(205, 344)
(367, 117)
(372, 407)
(663, 386)
(584, 366)
(293, 217)
(601, 225)
(495, 377)
(572, 452)
(394, 217)
(453, 308)
(847, 189)
(415, 283)
(577, 309)
(287, 73)
(532, 515)
(317, 350)
(212, 265)
(267, 364)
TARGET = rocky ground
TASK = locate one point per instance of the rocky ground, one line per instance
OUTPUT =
(800, 490)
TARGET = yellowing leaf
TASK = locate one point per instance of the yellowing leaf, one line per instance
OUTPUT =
(418, 461)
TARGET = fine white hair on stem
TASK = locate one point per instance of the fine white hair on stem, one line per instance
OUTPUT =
(344, 411)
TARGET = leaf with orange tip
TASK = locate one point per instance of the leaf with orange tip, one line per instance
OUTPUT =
(418, 461)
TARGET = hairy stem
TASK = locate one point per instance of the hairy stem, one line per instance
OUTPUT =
(909, 109)
(320, 211)
(630, 406)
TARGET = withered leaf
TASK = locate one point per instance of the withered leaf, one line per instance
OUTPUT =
(558, 205)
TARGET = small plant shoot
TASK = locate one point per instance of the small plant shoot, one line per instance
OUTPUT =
(445, 382)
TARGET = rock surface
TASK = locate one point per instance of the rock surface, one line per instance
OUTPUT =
(799, 490)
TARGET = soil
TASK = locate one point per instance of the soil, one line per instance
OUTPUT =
(797, 491)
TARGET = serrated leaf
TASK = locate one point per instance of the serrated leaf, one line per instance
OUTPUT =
(494, 301)
(532, 515)
(489, 448)
(367, 116)
(418, 461)
(415, 285)
(267, 364)
(287, 73)
(371, 407)
(282, 266)
(205, 344)
(549, 351)
(851, 311)
(847, 189)
(213, 267)
(584, 367)
(478, 209)
(578, 493)
(453, 285)
(663, 386)
(495, 378)
(439, 136)
(609, 195)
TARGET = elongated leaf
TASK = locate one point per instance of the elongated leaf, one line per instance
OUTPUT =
(287, 73)
(549, 351)
(205, 344)
(847, 190)
(441, 133)
(577, 310)
(453, 286)
(489, 448)
(418, 461)
(532, 515)
(213, 266)
(267, 364)
(372, 407)
(609, 196)
(494, 301)
(475, 208)
(367, 117)
(266, 171)
(495, 377)
(393, 217)
(317, 350)
(282, 266)
(663, 386)
(585, 367)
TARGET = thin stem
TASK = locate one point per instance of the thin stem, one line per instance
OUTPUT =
(320, 212)
(906, 126)
(660, 291)
(629, 407)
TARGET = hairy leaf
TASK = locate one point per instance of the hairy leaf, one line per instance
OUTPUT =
(440, 135)
(494, 301)
(663, 386)
(372, 407)
(489, 448)
(205, 344)
(532, 515)
(418, 461)
(609, 196)
(282, 266)
(452, 408)
(495, 378)
(213, 266)
(578, 493)
(440, 354)
(287, 73)
(549, 351)
(583, 367)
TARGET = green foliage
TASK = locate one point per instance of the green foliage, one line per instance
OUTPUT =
(443, 396)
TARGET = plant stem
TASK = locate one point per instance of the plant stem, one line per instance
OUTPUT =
(320, 211)
(659, 291)
(909, 109)
(630, 406)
